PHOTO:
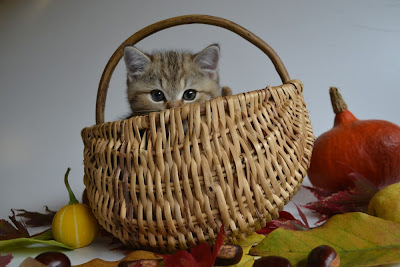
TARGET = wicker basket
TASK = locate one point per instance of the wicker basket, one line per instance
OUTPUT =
(155, 185)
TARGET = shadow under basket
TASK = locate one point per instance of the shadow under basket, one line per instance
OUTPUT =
(170, 180)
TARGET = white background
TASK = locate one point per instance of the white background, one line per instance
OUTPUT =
(53, 53)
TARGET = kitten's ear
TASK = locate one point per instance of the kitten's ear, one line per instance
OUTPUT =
(135, 60)
(208, 60)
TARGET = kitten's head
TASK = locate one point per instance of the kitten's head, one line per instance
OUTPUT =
(169, 79)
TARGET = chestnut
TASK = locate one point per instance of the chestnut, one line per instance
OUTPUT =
(229, 255)
(54, 259)
(323, 256)
(273, 261)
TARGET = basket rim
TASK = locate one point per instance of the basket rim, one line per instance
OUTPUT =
(176, 21)
(145, 120)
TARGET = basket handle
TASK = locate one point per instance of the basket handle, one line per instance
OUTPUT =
(175, 21)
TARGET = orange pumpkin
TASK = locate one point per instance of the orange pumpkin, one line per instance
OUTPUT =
(367, 147)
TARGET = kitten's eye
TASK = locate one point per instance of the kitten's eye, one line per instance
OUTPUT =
(189, 94)
(157, 95)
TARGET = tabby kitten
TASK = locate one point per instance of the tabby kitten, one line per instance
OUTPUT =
(168, 79)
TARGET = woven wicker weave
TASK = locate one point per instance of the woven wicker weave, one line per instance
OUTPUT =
(169, 180)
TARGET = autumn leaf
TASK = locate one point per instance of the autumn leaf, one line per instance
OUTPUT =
(133, 256)
(359, 239)
(15, 235)
(200, 255)
(37, 219)
(45, 238)
(250, 241)
(247, 244)
(15, 229)
(352, 200)
(8, 245)
(4, 260)
(286, 221)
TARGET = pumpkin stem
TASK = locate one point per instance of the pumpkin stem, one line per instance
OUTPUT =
(72, 198)
(338, 104)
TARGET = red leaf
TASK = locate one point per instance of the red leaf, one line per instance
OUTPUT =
(180, 259)
(286, 221)
(286, 215)
(4, 260)
(352, 200)
(219, 242)
(318, 192)
(266, 230)
(36, 219)
(302, 216)
(199, 256)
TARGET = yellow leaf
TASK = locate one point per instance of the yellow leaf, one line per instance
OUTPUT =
(246, 261)
(133, 256)
(250, 241)
(359, 239)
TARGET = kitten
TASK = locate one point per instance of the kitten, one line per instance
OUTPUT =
(170, 79)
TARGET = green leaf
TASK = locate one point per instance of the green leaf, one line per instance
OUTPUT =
(45, 238)
(8, 245)
(359, 239)
(249, 242)
(246, 261)
(46, 235)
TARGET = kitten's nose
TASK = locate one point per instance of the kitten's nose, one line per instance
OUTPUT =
(174, 104)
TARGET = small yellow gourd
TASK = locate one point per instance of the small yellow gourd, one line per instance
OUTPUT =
(74, 225)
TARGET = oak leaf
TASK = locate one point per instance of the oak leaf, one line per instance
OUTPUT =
(286, 221)
(358, 238)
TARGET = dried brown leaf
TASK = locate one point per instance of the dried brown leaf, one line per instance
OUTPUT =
(37, 219)
(12, 230)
